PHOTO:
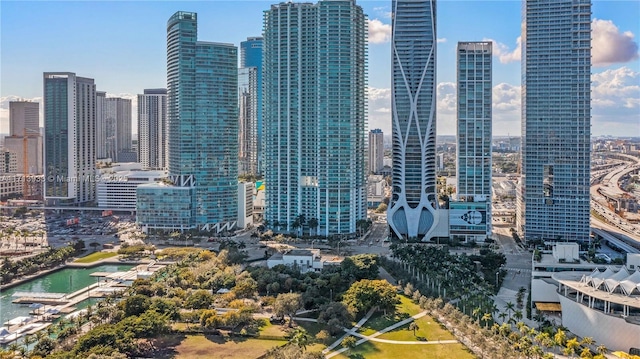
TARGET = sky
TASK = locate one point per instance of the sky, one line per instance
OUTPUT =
(122, 45)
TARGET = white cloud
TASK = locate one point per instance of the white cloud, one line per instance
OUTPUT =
(446, 96)
(503, 53)
(442, 40)
(379, 32)
(380, 108)
(383, 11)
(609, 45)
(616, 102)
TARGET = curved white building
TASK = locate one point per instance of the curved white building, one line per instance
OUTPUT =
(413, 206)
(602, 305)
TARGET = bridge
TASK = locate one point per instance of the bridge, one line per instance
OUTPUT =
(629, 246)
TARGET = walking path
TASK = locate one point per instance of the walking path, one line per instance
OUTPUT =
(372, 337)
(355, 328)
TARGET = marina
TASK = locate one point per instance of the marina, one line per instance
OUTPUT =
(33, 306)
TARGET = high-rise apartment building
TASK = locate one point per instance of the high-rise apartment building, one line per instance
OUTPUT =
(101, 125)
(118, 127)
(69, 140)
(376, 150)
(314, 115)
(247, 123)
(553, 195)
(250, 102)
(413, 207)
(202, 104)
(152, 129)
(470, 214)
(24, 139)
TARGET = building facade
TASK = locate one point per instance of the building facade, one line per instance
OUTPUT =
(553, 197)
(152, 129)
(69, 140)
(413, 205)
(376, 151)
(473, 170)
(314, 115)
(24, 139)
(116, 186)
(248, 120)
(118, 127)
(101, 125)
(202, 104)
(251, 57)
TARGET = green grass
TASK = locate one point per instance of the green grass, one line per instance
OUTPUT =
(371, 350)
(95, 256)
(428, 328)
(216, 347)
(379, 320)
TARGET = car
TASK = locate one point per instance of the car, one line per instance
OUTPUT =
(276, 320)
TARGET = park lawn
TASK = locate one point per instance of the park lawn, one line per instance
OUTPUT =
(428, 328)
(371, 350)
(271, 330)
(215, 347)
(95, 256)
(379, 321)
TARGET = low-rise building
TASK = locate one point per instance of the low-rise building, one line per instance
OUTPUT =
(245, 204)
(117, 189)
(305, 260)
(164, 206)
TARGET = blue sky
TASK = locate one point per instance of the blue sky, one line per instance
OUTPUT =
(121, 44)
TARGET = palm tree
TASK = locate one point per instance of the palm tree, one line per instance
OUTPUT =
(414, 326)
(502, 316)
(510, 308)
(601, 349)
(486, 318)
(586, 353)
(518, 315)
(476, 314)
(300, 337)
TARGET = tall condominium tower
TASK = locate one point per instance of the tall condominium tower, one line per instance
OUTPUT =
(69, 139)
(152, 129)
(412, 210)
(314, 115)
(101, 125)
(24, 138)
(251, 58)
(118, 127)
(470, 214)
(248, 121)
(553, 196)
(376, 150)
(202, 104)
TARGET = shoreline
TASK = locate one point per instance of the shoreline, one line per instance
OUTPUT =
(45, 272)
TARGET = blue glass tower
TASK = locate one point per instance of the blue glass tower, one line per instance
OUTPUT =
(553, 200)
(314, 115)
(413, 206)
(251, 84)
(202, 106)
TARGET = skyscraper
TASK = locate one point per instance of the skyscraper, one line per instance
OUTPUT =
(24, 136)
(248, 118)
(413, 206)
(314, 115)
(202, 103)
(152, 129)
(69, 144)
(553, 196)
(376, 150)
(470, 214)
(251, 58)
(101, 125)
(118, 127)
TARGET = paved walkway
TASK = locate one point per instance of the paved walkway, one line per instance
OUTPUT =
(355, 328)
(373, 336)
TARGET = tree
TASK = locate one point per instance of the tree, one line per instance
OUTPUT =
(381, 208)
(135, 304)
(486, 318)
(287, 304)
(335, 315)
(200, 299)
(349, 342)
(414, 326)
(366, 294)
(313, 224)
(300, 337)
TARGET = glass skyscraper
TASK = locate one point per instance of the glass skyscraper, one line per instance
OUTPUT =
(69, 138)
(471, 217)
(553, 196)
(413, 206)
(314, 115)
(251, 71)
(202, 107)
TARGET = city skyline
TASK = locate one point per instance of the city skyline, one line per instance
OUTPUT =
(29, 30)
